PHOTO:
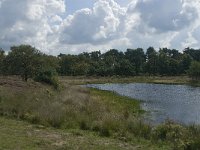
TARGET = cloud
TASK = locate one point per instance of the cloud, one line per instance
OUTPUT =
(168, 23)
(167, 15)
(46, 25)
(28, 22)
(96, 25)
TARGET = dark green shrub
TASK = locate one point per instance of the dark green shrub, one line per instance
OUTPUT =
(47, 76)
(194, 145)
(96, 128)
(104, 132)
(84, 125)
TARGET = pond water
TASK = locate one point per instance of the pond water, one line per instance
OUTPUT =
(180, 103)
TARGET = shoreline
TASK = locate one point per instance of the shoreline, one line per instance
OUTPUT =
(173, 80)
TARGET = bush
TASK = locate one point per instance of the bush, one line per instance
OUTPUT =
(195, 133)
(175, 134)
(194, 145)
(104, 132)
(47, 76)
(84, 125)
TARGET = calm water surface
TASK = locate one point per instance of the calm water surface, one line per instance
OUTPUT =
(180, 103)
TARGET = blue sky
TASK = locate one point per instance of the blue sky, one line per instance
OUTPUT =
(65, 26)
(74, 5)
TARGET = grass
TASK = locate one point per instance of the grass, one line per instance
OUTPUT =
(116, 79)
(15, 134)
(71, 107)
(59, 119)
(120, 104)
(79, 80)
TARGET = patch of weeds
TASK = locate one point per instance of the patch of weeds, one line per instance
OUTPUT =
(84, 125)
(104, 132)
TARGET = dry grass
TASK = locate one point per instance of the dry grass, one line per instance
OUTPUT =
(71, 107)
(117, 79)
(19, 135)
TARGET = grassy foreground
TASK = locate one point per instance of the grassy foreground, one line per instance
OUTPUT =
(20, 135)
(36, 116)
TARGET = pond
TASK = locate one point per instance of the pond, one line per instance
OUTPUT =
(180, 103)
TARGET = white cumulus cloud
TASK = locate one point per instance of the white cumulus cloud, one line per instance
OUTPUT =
(28, 22)
(46, 25)
(96, 25)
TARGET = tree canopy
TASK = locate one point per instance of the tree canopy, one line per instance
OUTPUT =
(194, 70)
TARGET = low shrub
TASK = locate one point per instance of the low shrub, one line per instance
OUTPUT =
(48, 76)
(84, 125)
(179, 136)
(104, 132)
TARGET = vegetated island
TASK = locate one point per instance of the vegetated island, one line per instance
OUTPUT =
(41, 108)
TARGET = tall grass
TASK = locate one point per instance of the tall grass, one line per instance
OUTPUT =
(71, 107)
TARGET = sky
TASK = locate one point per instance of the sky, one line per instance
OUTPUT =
(75, 26)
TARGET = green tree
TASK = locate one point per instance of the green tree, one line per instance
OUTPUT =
(195, 54)
(175, 54)
(74, 65)
(111, 61)
(163, 62)
(184, 63)
(173, 67)
(194, 70)
(46, 70)
(124, 68)
(151, 61)
(137, 58)
(95, 55)
(23, 61)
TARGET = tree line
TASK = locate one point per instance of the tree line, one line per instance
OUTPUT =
(132, 62)
(28, 62)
